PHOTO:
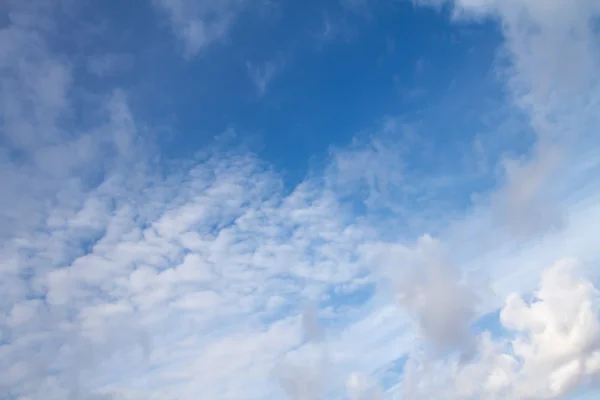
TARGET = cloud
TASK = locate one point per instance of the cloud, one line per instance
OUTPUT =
(361, 387)
(125, 277)
(174, 261)
(550, 65)
(444, 301)
(431, 290)
(553, 348)
(303, 374)
(262, 75)
(113, 271)
(377, 166)
(198, 24)
(311, 326)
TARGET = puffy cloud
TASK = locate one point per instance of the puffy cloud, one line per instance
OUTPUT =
(558, 340)
(553, 347)
(432, 290)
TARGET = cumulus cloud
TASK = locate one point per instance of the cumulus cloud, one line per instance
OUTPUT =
(553, 347)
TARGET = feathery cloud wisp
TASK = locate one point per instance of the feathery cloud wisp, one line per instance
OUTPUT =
(198, 24)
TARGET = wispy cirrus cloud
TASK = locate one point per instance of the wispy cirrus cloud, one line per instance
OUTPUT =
(198, 24)
(262, 74)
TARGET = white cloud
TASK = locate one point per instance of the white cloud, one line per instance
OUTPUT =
(361, 387)
(198, 24)
(139, 280)
(118, 279)
(550, 63)
(555, 347)
(306, 378)
(131, 274)
(431, 289)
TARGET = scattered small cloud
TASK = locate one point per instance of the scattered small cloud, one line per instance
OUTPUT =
(263, 74)
(198, 24)
(332, 27)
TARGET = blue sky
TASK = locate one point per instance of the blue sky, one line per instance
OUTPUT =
(347, 199)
